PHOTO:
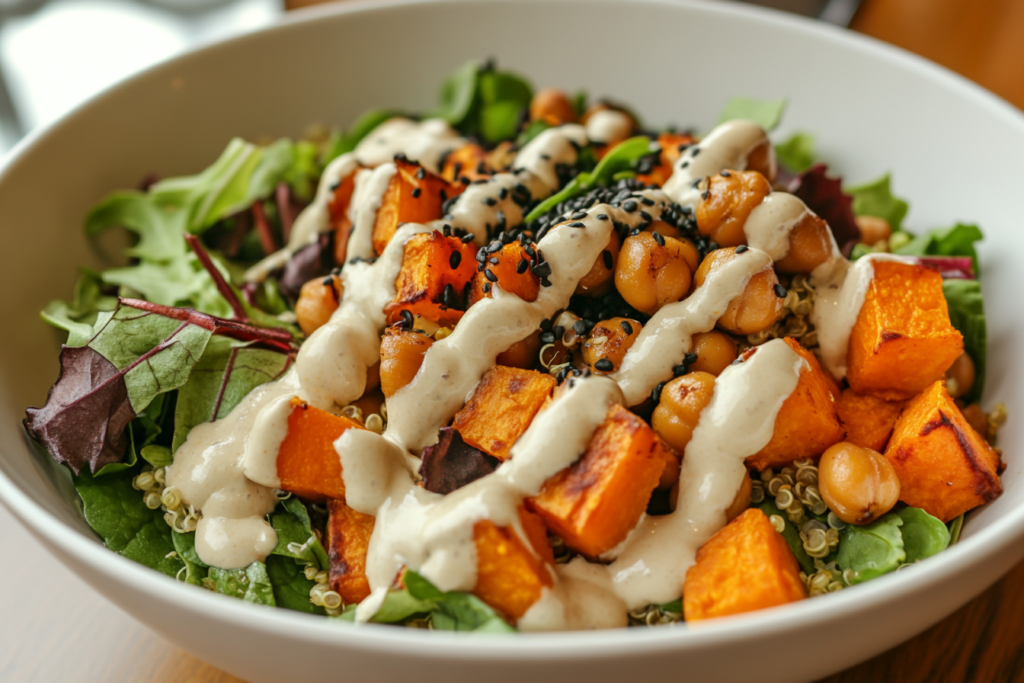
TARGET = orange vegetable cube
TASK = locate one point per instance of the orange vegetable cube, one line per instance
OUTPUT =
(944, 466)
(433, 278)
(807, 423)
(413, 195)
(401, 355)
(670, 144)
(512, 572)
(501, 408)
(348, 538)
(868, 420)
(745, 567)
(307, 463)
(337, 209)
(507, 275)
(468, 161)
(902, 340)
(594, 503)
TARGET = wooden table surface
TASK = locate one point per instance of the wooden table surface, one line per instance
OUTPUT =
(56, 628)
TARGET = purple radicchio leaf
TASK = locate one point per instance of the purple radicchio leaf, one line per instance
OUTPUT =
(311, 261)
(451, 463)
(824, 196)
(86, 412)
(950, 267)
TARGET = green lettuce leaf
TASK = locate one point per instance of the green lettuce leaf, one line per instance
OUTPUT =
(295, 537)
(765, 113)
(967, 313)
(923, 535)
(478, 99)
(955, 241)
(250, 584)
(195, 569)
(79, 316)
(455, 611)
(876, 199)
(291, 587)
(797, 152)
(872, 550)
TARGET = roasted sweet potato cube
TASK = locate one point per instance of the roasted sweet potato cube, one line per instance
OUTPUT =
(944, 466)
(307, 463)
(401, 355)
(807, 423)
(868, 420)
(509, 273)
(501, 407)
(902, 340)
(745, 567)
(469, 162)
(595, 502)
(413, 195)
(337, 209)
(433, 278)
(512, 572)
(671, 147)
(348, 538)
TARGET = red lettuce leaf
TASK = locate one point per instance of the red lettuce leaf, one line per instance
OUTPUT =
(951, 267)
(451, 463)
(86, 412)
(311, 261)
(824, 196)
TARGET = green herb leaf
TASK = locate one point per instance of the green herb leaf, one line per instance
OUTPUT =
(876, 199)
(923, 535)
(228, 370)
(78, 317)
(765, 113)
(955, 527)
(676, 606)
(499, 121)
(479, 100)
(195, 569)
(157, 456)
(292, 524)
(455, 611)
(457, 94)
(291, 587)
(250, 584)
(114, 509)
(797, 152)
(955, 241)
(967, 313)
(791, 534)
(399, 606)
(873, 549)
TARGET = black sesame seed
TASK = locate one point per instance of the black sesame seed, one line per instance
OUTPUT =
(629, 206)
(690, 358)
(742, 248)
(545, 325)
(542, 270)
(685, 164)
(327, 282)
(726, 174)
(455, 259)
(696, 183)
(656, 393)
(634, 232)
(560, 377)
(695, 152)
(559, 331)
(646, 216)
(647, 201)
(737, 361)
(503, 193)
(580, 327)
(494, 260)
(626, 327)
(705, 194)
(780, 291)
(481, 168)
(678, 370)
(579, 215)
(444, 195)
(545, 282)
(481, 255)
(489, 274)
(604, 365)
(464, 180)
(609, 262)
(334, 186)
(449, 299)
(490, 201)
(487, 288)
(416, 192)
(407, 319)
(602, 216)
(547, 338)
(467, 238)
(493, 246)
(577, 224)
(522, 266)
(446, 230)
(658, 238)
(420, 173)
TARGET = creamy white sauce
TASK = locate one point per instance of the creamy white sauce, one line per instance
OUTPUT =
(769, 224)
(367, 197)
(609, 126)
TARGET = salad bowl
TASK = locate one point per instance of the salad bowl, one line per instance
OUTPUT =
(952, 148)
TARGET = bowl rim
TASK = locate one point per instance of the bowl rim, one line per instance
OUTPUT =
(977, 548)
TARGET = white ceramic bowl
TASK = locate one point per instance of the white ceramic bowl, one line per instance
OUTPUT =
(955, 151)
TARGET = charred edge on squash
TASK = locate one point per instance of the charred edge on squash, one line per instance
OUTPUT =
(991, 488)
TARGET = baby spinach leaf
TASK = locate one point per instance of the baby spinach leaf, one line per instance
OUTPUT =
(398, 606)
(499, 121)
(455, 611)
(457, 94)
(481, 100)
(157, 456)
(791, 534)
(797, 152)
(872, 549)
(250, 584)
(228, 370)
(967, 314)
(115, 511)
(295, 537)
(195, 569)
(291, 587)
(955, 241)
(532, 130)
(875, 198)
(923, 535)
(765, 113)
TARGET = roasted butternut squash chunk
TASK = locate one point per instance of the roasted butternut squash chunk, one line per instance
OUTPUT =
(745, 567)
(501, 407)
(807, 424)
(902, 340)
(307, 463)
(337, 209)
(594, 503)
(348, 538)
(433, 278)
(509, 273)
(413, 195)
(944, 466)
(512, 572)
(868, 420)
(468, 161)
(670, 151)
(401, 355)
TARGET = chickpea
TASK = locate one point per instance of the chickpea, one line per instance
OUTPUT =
(727, 201)
(960, 376)
(757, 308)
(873, 229)
(715, 352)
(742, 500)
(318, 300)
(678, 412)
(608, 343)
(858, 484)
(552, 106)
(604, 106)
(601, 278)
(810, 245)
(762, 160)
(522, 354)
(401, 355)
(651, 273)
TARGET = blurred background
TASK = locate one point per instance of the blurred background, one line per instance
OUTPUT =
(56, 53)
